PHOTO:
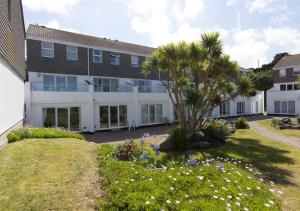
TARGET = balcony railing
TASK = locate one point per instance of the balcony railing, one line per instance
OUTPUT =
(57, 87)
(152, 89)
(113, 88)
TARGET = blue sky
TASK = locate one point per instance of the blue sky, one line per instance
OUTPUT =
(250, 30)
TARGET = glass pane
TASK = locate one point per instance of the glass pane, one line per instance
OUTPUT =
(72, 56)
(123, 115)
(60, 83)
(104, 117)
(284, 107)
(75, 118)
(106, 85)
(114, 85)
(152, 113)
(292, 109)
(114, 116)
(49, 117)
(48, 82)
(72, 83)
(48, 45)
(62, 118)
(277, 107)
(144, 114)
(159, 113)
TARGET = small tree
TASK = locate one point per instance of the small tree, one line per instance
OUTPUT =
(199, 77)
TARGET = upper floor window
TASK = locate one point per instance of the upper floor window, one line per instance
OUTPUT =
(114, 58)
(72, 52)
(282, 73)
(283, 87)
(296, 71)
(134, 61)
(47, 49)
(97, 56)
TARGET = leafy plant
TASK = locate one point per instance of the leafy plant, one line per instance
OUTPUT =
(178, 139)
(298, 119)
(241, 123)
(127, 151)
(24, 133)
(275, 122)
(217, 130)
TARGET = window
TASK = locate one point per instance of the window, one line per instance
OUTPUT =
(47, 49)
(151, 113)
(106, 85)
(291, 107)
(49, 82)
(225, 109)
(296, 87)
(97, 56)
(282, 73)
(72, 53)
(290, 87)
(240, 108)
(283, 87)
(296, 71)
(71, 83)
(114, 58)
(143, 85)
(277, 107)
(59, 83)
(134, 61)
(67, 117)
(113, 116)
(284, 107)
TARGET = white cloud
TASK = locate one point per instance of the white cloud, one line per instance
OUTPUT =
(56, 25)
(166, 20)
(52, 6)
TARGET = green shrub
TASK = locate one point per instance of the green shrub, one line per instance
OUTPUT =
(241, 123)
(274, 122)
(217, 130)
(298, 119)
(127, 151)
(177, 139)
(23, 133)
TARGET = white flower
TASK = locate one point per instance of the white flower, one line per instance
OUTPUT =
(238, 198)
(150, 179)
(258, 188)
(238, 203)
(174, 179)
(190, 201)
(216, 197)
(230, 197)
(211, 185)
(267, 205)
(222, 199)
(248, 188)
(280, 192)
(200, 177)
(227, 180)
(187, 173)
(132, 180)
(216, 191)
(177, 202)
(249, 177)
(245, 208)
(147, 202)
(126, 182)
(152, 197)
(228, 205)
(271, 202)
(120, 189)
(170, 176)
(171, 188)
(272, 190)
(240, 194)
(186, 196)
(116, 182)
(168, 201)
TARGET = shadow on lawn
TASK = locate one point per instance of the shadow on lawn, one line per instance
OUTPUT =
(263, 157)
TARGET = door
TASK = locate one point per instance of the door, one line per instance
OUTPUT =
(74, 118)
(114, 116)
(62, 118)
(104, 120)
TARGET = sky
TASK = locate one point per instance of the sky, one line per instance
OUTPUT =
(251, 30)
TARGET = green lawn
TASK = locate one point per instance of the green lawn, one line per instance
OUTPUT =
(286, 132)
(52, 174)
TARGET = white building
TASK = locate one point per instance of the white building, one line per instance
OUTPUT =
(86, 83)
(12, 65)
(284, 97)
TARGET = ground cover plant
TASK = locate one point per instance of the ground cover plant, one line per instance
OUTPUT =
(156, 181)
(26, 133)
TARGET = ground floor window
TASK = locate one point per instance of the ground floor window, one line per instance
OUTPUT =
(113, 116)
(152, 113)
(225, 109)
(255, 107)
(240, 108)
(65, 117)
(284, 107)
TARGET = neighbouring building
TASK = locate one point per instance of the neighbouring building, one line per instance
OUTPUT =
(284, 96)
(12, 65)
(86, 83)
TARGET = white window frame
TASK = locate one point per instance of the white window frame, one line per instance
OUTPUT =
(296, 71)
(47, 49)
(282, 73)
(134, 61)
(117, 56)
(100, 56)
(72, 52)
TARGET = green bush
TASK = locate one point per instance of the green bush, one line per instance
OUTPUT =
(217, 130)
(241, 123)
(275, 122)
(24, 133)
(177, 139)
(298, 119)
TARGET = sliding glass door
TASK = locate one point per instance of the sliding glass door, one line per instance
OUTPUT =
(49, 117)
(75, 118)
(151, 113)
(113, 116)
(62, 118)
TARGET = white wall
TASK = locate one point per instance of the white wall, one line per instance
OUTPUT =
(11, 97)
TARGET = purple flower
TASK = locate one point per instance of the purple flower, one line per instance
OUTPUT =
(192, 162)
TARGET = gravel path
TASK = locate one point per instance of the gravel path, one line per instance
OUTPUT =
(275, 136)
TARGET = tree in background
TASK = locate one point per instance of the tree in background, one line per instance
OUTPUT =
(200, 77)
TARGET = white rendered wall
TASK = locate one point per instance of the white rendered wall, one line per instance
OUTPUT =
(11, 97)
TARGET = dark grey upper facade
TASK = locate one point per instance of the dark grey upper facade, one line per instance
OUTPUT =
(85, 64)
(288, 65)
(12, 35)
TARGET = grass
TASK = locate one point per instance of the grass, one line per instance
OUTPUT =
(169, 183)
(39, 174)
(285, 132)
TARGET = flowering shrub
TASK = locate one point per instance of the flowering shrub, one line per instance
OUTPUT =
(212, 184)
(127, 151)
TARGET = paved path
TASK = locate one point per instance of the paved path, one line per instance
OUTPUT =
(272, 135)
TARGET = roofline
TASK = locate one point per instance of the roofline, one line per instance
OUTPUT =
(30, 37)
(24, 30)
